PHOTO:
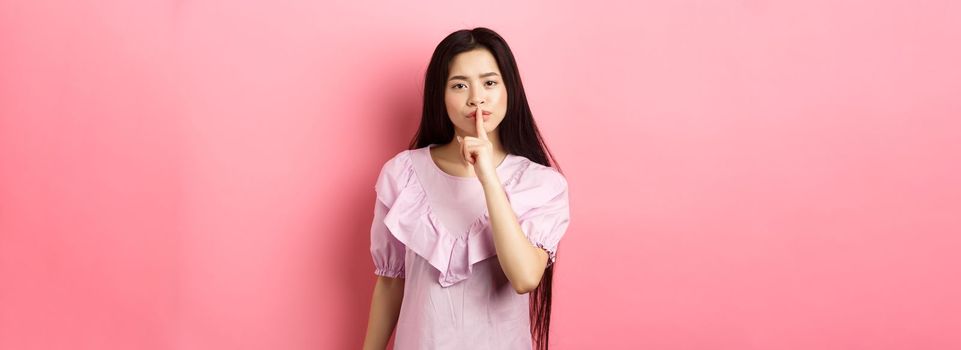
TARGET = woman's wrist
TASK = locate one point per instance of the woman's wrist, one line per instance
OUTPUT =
(487, 181)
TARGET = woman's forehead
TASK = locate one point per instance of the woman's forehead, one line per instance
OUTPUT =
(473, 63)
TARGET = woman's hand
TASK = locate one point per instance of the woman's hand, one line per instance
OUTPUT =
(478, 152)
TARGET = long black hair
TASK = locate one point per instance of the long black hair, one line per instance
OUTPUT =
(517, 132)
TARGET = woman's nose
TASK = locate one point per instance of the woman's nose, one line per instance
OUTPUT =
(476, 97)
(473, 102)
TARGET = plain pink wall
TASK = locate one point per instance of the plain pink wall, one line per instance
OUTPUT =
(744, 174)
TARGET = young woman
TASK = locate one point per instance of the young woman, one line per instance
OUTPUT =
(468, 219)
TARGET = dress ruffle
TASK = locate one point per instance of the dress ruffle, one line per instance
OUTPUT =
(412, 221)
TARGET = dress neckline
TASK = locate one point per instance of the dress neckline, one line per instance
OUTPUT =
(437, 168)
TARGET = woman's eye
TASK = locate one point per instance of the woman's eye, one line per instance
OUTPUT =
(456, 86)
(491, 81)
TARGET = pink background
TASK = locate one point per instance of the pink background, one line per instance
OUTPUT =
(744, 174)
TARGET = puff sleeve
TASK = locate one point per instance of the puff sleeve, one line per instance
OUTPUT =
(547, 223)
(387, 252)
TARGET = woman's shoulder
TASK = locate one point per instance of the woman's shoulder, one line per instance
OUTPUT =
(394, 176)
(539, 174)
(536, 185)
(396, 162)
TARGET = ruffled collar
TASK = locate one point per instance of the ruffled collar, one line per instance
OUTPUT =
(413, 222)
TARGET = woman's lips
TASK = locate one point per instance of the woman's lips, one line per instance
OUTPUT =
(486, 114)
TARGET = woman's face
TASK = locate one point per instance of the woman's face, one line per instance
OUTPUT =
(474, 80)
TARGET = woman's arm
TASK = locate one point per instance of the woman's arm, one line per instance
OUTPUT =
(384, 310)
(521, 261)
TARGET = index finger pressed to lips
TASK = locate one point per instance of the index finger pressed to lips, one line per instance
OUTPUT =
(479, 121)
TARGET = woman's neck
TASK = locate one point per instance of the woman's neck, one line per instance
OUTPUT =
(451, 150)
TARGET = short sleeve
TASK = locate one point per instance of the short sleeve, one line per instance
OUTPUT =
(387, 252)
(547, 223)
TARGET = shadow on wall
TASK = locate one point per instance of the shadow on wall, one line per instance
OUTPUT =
(394, 120)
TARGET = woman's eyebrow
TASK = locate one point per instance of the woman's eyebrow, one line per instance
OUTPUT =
(461, 77)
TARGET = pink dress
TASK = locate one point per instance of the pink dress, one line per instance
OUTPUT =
(432, 229)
